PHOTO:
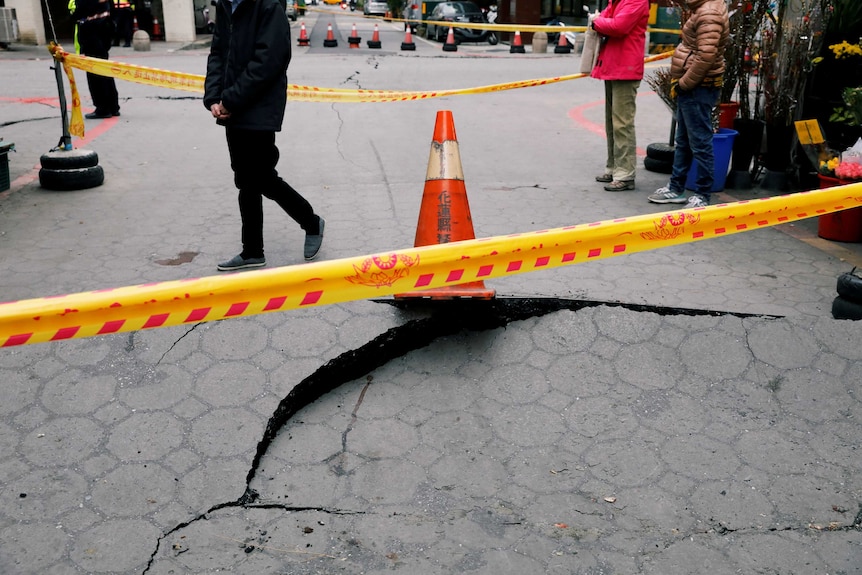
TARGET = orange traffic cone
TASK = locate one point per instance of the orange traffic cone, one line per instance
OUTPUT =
(134, 24)
(303, 35)
(353, 39)
(450, 45)
(562, 46)
(375, 39)
(330, 41)
(517, 47)
(408, 43)
(157, 29)
(444, 215)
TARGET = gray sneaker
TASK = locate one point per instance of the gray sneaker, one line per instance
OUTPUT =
(665, 195)
(697, 201)
(313, 242)
(239, 263)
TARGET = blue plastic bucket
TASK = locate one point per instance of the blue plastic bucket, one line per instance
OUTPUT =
(722, 145)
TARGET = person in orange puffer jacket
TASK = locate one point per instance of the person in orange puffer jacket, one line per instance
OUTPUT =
(620, 64)
(697, 74)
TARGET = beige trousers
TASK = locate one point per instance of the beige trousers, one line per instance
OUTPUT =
(620, 108)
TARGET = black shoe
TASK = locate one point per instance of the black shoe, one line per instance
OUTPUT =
(98, 115)
(313, 242)
(240, 263)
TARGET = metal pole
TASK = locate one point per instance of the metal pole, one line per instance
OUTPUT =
(66, 139)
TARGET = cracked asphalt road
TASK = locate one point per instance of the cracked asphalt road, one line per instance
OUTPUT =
(686, 410)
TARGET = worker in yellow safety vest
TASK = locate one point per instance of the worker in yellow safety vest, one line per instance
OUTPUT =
(123, 16)
(94, 31)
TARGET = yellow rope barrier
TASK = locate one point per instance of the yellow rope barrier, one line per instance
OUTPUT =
(213, 298)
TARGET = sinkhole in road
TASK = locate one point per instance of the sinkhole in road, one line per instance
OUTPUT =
(440, 318)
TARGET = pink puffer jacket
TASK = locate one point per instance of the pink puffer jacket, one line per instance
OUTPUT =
(623, 24)
(700, 53)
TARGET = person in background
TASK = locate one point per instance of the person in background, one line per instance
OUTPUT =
(246, 92)
(620, 64)
(94, 31)
(123, 17)
(697, 70)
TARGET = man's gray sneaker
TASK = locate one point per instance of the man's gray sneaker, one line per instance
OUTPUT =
(313, 242)
(665, 195)
(697, 201)
(240, 263)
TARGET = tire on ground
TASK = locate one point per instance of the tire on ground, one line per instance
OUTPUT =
(846, 309)
(660, 151)
(850, 287)
(69, 159)
(74, 179)
(660, 166)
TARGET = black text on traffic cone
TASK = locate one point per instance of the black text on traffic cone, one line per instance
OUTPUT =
(444, 215)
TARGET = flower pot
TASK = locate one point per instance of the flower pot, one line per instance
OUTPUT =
(727, 113)
(843, 226)
(722, 145)
(746, 145)
(776, 160)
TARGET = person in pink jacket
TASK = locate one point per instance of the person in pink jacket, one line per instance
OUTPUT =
(622, 26)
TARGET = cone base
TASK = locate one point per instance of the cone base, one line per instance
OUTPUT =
(408, 46)
(517, 50)
(374, 44)
(330, 43)
(302, 43)
(450, 47)
(562, 49)
(472, 290)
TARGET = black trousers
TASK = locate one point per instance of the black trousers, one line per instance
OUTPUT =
(253, 157)
(124, 17)
(94, 38)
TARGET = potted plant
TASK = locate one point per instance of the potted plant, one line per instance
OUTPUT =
(791, 42)
(746, 17)
(742, 56)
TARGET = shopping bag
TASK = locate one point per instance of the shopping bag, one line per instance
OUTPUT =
(592, 43)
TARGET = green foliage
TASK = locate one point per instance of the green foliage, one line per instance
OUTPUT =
(845, 18)
(851, 112)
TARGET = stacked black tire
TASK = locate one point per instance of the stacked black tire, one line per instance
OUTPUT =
(70, 170)
(659, 158)
(848, 304)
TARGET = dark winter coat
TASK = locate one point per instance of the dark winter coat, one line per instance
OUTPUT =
(247, 64)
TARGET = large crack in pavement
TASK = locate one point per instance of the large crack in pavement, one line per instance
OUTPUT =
(444, 318)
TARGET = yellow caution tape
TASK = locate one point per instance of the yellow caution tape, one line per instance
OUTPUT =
(195, 83)
(481, 26)
(213, 298)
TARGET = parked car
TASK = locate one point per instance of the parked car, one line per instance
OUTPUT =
(375, 8)
(455, 12)
(290, 9)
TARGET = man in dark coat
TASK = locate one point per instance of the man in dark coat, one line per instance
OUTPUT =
(94, 31)
(246, 91)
